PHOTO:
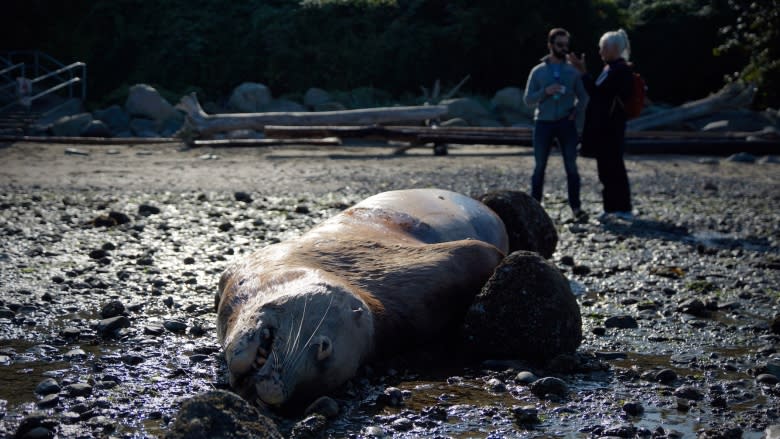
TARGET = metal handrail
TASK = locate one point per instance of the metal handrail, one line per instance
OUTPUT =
(9, 69)
(50, 90)
(64, 75)
(57, 72)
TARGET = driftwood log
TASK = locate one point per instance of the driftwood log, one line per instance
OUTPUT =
(637, 142)
(199, 124)
(733, 95)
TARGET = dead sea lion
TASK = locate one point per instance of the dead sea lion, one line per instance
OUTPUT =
(296, 319)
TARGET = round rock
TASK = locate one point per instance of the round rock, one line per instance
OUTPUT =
(525, 310)
(325, 406)
(527, 223)
(525, 377)
(549, 386)
(220, 414)
(112, 309)
(47, 386)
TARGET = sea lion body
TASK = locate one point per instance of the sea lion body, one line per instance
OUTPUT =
(296, 319)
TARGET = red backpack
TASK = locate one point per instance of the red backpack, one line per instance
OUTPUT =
(634, 105)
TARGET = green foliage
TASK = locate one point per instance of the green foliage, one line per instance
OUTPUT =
(672, 45)
(756, 35)
(392, 45)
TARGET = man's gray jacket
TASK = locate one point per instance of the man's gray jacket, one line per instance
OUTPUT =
(547, 107)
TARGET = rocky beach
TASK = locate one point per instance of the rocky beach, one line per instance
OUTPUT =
(110, 257)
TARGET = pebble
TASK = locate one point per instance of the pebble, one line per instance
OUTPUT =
(767, 378)
(108, 326)
(567, 260)
(78, 389)
(402, 424)
(47, 386)
(525, 377)
(112, 309)
(666, 376)
(633, 408)
(38, 433)
(310, 427)
(75, 354)
(391, 396)
(688, 392)
(148, 209)
(176, 326)
(74, 151)
(693, 307)
(243, 197)
(154, 330)
(325, 406)
(495, 385)
(49, 401)
(525, 415)
(132, 359)
(621, 322)
(549, 386)
(581, 270)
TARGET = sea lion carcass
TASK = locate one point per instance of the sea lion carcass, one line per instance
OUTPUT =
(296, 319)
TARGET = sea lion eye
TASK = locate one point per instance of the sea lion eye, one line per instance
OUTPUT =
(324, 348)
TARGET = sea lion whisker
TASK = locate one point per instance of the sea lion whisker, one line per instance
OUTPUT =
(299, 356)
(300, 328)
(288, 346)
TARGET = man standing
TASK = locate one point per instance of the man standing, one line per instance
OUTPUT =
(556, 89)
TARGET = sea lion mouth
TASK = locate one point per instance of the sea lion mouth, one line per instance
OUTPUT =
(267, 336)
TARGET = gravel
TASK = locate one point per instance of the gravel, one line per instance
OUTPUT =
(109, 263)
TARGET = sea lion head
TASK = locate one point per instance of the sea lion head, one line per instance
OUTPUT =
(299, 338)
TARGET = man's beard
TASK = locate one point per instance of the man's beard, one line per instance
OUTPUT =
(560, 54)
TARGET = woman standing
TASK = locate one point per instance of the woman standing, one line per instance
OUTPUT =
(603, 136)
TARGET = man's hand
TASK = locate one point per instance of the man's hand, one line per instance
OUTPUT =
(553, 89)
(577, 62)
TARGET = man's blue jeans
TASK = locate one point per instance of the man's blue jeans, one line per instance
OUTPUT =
(565, 131)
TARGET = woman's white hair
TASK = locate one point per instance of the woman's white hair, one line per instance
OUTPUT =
(619, 39)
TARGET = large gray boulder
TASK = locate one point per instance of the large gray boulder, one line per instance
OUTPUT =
(286, 106)
(220, 414)
(115, 117)
(330, 106)
(71, 107)
(144, 101)
(510, 99)
(527, 223)
(250, 97)
(144, 127)
(71, 126)
(526, 310)
(316, 96)
(96, 128)
(467, 109)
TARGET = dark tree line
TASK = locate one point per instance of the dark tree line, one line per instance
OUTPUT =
(684, 48)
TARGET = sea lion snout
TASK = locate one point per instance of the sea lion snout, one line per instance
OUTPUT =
(248, 352)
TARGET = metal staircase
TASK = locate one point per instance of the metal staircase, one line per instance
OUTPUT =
(33, 84)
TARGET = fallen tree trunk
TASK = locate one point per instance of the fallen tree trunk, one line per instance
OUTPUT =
(326, 141)
(733, 95)
(416, 135)
(91, 140)
(200, 124)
